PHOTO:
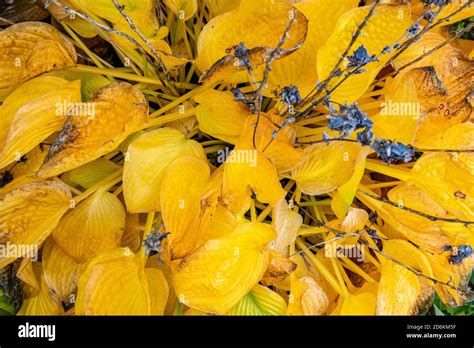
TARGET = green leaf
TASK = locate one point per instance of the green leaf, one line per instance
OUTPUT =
(260, 301)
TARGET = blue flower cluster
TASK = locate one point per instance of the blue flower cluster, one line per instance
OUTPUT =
(458, 254)
(349, 119)
(391, 151)
(360, 58)
(153, 241)
(435, 2)
(241, 98)
(242, 52)
(291, 95)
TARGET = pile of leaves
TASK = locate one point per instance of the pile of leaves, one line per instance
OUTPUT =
(252, 157)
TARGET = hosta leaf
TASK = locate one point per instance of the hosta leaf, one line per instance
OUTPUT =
(327, 167)
(398, 290)
(287, 223)
(260, 301)
(181, 189)
(95, 225)
(44, 303)
(457, 275)
(299, 67)
(29, 213)
(30, 49)
(248, 170)
(23, 95)
(147, 160)
(36, 120)
(158, 287)
(90, 173)
(307, 297)
(433, 173)
(220, 116)
(344, 195)
(22, 171)
(184, 9)
(398, 222)
(363, 302)
(114, 283)
(259, 25)
(118, 110)
(215, 277)
(280, 149)
(89, 82)
(61, 273)
(384, 28)
(218, 7)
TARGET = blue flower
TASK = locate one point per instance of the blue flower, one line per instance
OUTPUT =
(439, 3)
(242, 52)
(291, 95)
(153, 241)
(392, 151)
(413, 30)
(241, 98)
(349, 119)
(458, 254)
(360, 58)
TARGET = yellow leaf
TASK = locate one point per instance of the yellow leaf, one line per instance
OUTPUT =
(281, 149)
(248, 170)
(279, 268)
(218, 7)
(215, 277)
(398, 290)
(29, 214)
(424, 233)
(363, 302)
(31, 49)
(220, 116)
(113, 284)
(299, 67)
(89, 82)
(94, 226)
(184, 9)
(148, 158)
(22, 172)
(61, 273)
(400, 111)
(36, 120)
(453, 7)
(182, 186)
(384, 28)
(287, 223)
(45, 303)
(132, 235)
(344, 195)
(327, 167)
(307, 297)
(433, 173)
(23, 95)
(158, 287)
(260, 301)
(118, 110)
(90, 173)
(260, 26)
(456, 275)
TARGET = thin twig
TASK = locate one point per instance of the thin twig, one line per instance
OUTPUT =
(131, 23)
(263, 84)
(414, 211)
(322, 86)
(418, 273)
